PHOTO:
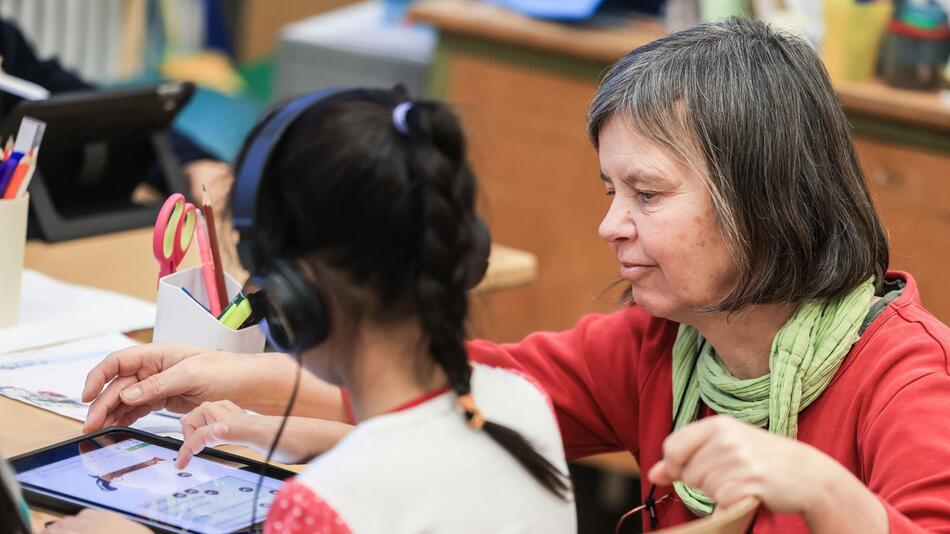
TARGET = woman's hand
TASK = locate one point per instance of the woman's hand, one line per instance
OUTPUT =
(93, 522)
(729, 460)
(213, 176)
(215, 423)
(150, 377)
(178, 377)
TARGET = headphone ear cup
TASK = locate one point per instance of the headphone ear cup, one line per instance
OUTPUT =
(481, 250)
(297, 308)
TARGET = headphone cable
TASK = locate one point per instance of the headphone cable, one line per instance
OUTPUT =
(273, 447)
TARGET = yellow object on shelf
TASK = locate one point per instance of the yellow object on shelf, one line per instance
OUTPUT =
(207, 68)
(853, 32)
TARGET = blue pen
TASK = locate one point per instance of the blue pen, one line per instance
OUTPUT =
(3, 171)
(192, 297)
(6, 170)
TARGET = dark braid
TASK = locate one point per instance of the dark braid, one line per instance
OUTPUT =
(448, 232)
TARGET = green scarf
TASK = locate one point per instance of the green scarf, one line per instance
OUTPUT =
(805, 355)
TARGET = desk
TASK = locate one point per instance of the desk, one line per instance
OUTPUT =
(522, 87)
(123, 262)
(27, 428)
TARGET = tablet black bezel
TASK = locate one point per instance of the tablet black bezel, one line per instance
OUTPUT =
(64, 504)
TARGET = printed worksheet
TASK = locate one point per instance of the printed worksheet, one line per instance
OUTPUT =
(52, 378)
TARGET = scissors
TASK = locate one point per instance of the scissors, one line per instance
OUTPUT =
(174, 230)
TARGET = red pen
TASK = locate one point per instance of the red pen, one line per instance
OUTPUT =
(19, 174)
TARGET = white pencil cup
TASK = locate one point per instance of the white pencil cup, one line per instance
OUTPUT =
(13, 215)
(184, 318)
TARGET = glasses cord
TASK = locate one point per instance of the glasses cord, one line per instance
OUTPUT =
(650, 501)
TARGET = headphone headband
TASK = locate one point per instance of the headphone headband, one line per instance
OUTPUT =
(244, 199)
(303, 320)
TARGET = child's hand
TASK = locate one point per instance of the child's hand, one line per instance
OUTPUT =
(216, 423)
(95, 521)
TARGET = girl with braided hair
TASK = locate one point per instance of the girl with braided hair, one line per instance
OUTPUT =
(370, 201)
(371, 195)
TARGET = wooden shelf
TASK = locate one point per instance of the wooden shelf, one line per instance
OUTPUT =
(924, 108)
(477, 19)
(606, 45)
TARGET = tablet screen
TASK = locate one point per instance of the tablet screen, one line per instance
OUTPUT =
(128, 473)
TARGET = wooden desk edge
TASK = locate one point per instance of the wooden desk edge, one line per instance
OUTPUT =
(508, 267)
(78, 262)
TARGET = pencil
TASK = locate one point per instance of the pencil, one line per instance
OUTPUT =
(215, 251)
(25, 184)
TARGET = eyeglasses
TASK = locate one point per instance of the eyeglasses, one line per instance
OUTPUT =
(649, 504)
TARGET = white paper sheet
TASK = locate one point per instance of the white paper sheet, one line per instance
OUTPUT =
(52, 378)
(53, 312)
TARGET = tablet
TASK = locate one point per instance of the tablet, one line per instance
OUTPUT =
(99, 145)
(76, 117)
(133, 473)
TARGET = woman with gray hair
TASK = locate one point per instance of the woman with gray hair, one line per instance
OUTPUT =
(764, 349)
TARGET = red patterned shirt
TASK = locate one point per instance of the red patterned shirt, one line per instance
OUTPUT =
(297, 509)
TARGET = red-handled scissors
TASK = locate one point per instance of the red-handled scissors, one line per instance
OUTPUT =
(174, 230)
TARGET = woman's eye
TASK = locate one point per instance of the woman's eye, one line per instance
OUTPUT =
(610, 192)
(646, 196)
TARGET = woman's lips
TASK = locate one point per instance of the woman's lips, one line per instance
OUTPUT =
(632, 271)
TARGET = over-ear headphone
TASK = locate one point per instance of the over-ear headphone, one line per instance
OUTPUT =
(297, 315)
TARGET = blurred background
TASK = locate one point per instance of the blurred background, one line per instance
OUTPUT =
(520, 73)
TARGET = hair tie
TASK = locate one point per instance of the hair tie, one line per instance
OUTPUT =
(399, 117)
(472, 414)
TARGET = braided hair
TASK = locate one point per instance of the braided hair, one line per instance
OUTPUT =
(385, 202)
(448, 230)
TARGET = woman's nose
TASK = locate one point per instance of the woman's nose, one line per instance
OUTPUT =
(617, 224)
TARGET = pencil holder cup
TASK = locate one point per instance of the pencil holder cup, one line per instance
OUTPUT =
(182, 316)
(12, 243)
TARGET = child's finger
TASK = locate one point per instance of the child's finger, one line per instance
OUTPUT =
(197, 441)
(192, 421)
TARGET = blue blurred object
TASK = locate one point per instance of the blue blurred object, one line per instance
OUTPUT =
(218, 122)
(555, 10)
(925, 14)
(217, 36)
(394, 11)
